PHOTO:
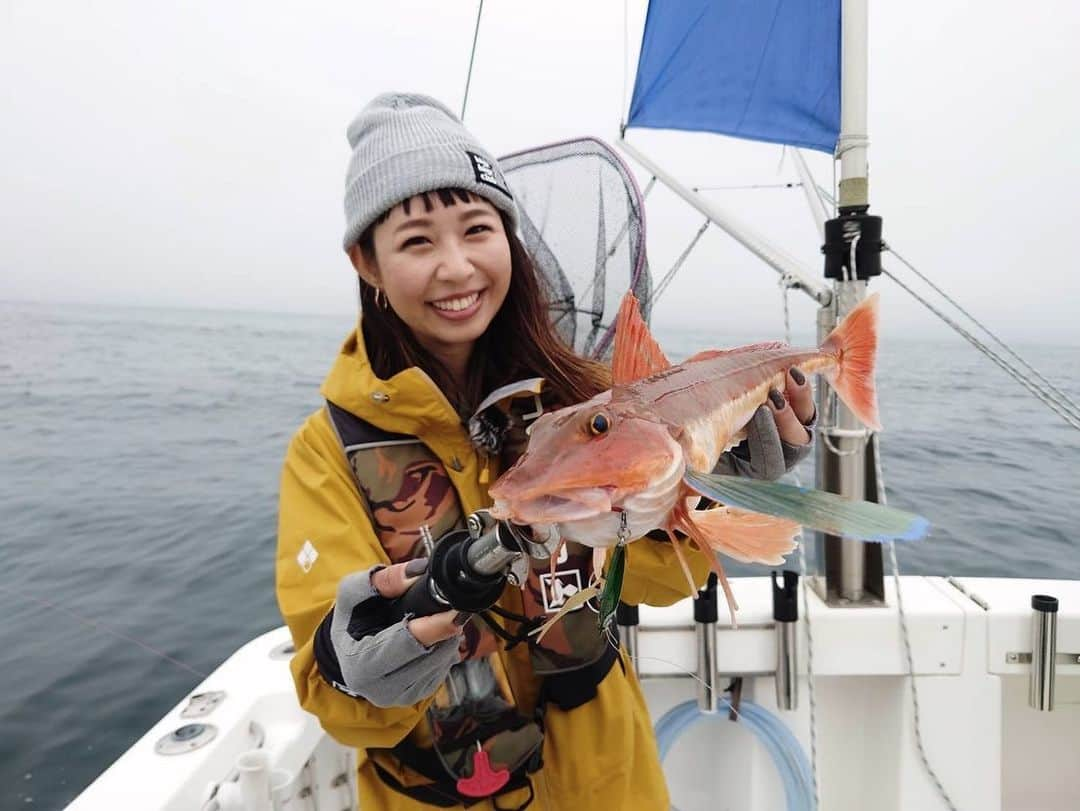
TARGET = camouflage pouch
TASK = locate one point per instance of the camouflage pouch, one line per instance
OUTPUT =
(481, 746)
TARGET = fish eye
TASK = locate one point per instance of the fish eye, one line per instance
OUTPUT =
(599, 424)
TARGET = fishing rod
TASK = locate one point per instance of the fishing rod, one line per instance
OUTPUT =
(470, 567)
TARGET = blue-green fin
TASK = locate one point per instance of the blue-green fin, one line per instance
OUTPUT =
(814, 509)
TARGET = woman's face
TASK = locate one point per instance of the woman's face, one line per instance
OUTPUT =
(445, 272)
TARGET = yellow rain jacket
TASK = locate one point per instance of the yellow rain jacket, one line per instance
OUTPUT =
(600, 755)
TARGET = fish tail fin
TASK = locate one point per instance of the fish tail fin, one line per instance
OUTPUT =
(636, 353)
(854, 345)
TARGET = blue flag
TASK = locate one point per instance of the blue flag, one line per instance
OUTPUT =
(765, 70)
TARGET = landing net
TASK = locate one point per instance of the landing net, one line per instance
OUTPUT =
(583, 222)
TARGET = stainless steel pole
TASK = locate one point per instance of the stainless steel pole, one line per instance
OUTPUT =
(1043, 652)
(842, 448)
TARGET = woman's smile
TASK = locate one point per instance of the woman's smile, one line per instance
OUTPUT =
(460, 307)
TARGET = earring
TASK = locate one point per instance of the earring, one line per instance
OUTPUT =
(380, 298)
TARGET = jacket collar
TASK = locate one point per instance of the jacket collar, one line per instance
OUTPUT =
(407, 403)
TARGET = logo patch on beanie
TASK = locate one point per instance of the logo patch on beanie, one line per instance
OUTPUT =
(485, 173)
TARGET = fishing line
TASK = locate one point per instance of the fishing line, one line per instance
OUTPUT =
(103, 627)
(472, 57)
(615, 643)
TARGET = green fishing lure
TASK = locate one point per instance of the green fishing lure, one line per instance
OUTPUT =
(609, 596)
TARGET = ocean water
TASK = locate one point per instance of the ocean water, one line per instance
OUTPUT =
(141, 453)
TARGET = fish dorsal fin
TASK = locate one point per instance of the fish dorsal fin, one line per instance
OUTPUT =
(636, 354)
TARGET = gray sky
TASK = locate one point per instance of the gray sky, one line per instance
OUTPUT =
(193, 154)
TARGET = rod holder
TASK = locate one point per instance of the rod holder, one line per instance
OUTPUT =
(627, 619)
(785, 617)
(705, 616)
(1043, 652)
(251, 789)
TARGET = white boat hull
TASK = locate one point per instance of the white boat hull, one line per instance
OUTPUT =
(989, 749)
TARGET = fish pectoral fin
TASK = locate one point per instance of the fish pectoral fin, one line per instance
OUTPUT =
(746, 536)
(815, 509)
(636, 353)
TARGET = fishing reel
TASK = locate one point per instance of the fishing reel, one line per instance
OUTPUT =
(470, 567)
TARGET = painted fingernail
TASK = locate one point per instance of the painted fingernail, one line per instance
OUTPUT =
(462, 617)
(777, 399)
(416, 566)
(797, 376)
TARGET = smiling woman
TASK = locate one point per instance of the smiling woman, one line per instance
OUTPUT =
(422, 259)
(447, 711)
(444, 270)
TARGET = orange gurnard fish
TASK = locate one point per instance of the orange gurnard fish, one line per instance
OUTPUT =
(638, 457)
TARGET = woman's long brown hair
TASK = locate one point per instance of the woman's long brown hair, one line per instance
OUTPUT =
(519, 343)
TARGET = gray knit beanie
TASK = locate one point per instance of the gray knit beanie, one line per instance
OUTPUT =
(404, 144)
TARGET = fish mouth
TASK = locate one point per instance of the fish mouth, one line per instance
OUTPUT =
(554, 508)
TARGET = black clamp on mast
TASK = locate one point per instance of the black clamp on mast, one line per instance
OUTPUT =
(841, 233)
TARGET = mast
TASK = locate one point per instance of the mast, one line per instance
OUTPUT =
(849, 571)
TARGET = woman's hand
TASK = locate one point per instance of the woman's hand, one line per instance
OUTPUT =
(793, 409)
(389, 665)
(393, 581)
(778, 435)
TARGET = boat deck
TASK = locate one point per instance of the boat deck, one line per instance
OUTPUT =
(988, 748)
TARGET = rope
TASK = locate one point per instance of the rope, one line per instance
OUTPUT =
(1041, 395)
(664, 282)
(472, 56)
(809, 657)
(810, 672)
(905, 635)
(849, 272)
(1062, 396)
(828, 198)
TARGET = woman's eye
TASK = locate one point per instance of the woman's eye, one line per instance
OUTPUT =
(478, 229)
(412, 241)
